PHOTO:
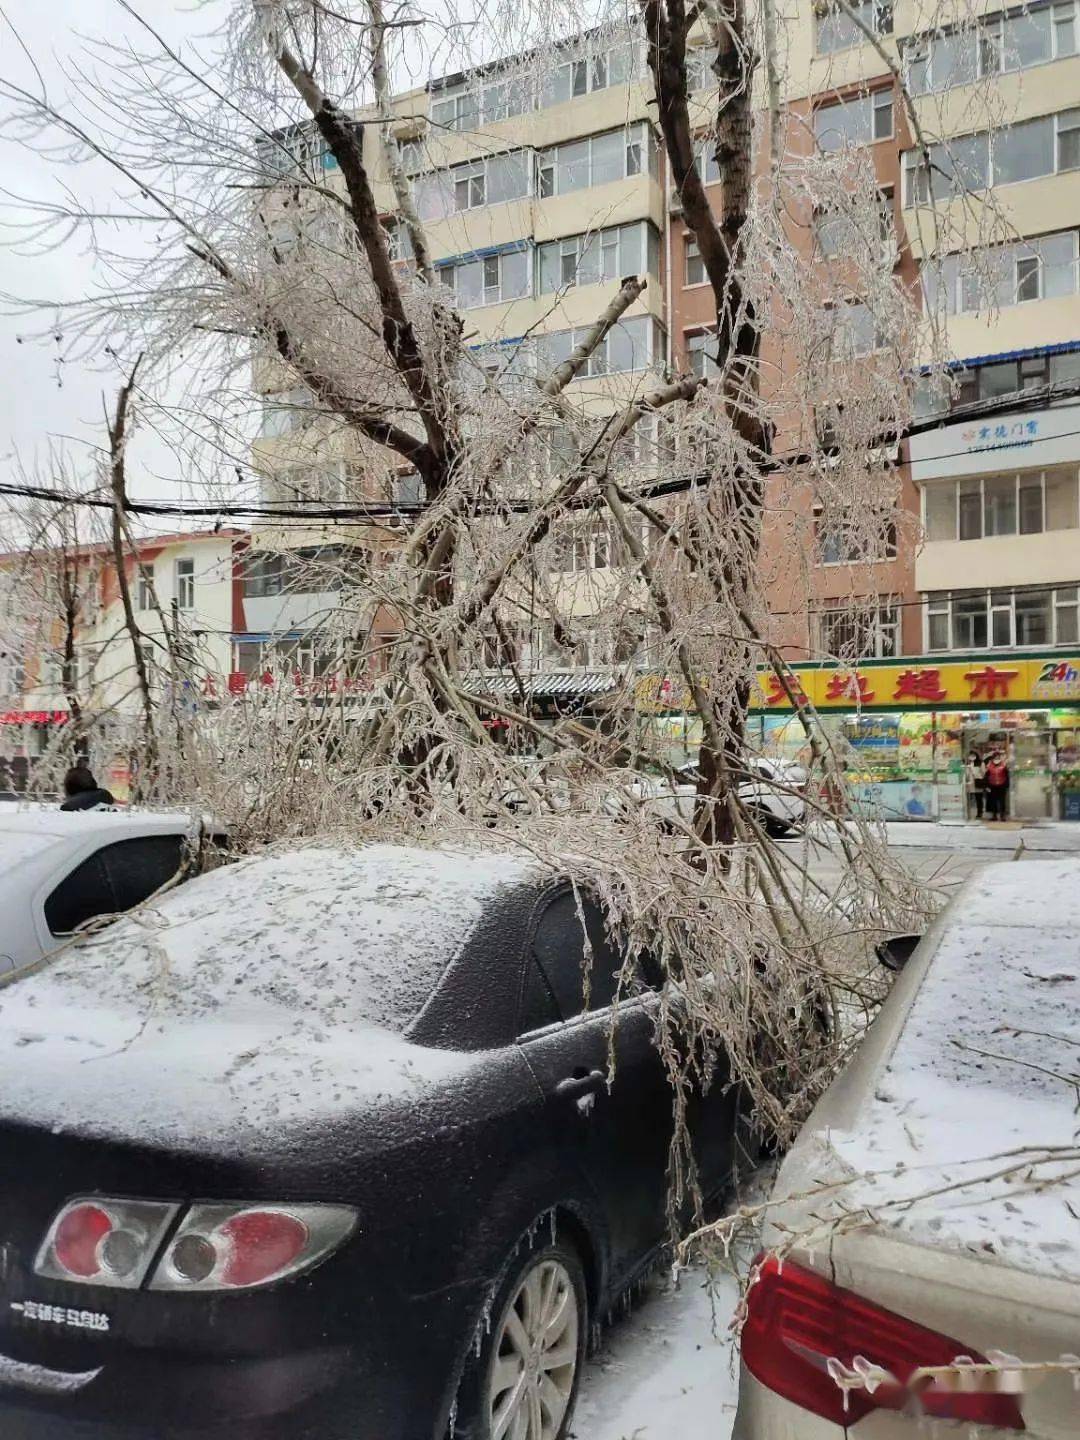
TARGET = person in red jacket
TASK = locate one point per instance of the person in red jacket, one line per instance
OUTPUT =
(996, 780)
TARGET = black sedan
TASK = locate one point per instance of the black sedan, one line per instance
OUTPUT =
(323, 1145)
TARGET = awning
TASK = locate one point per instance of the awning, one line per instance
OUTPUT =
(546, 685)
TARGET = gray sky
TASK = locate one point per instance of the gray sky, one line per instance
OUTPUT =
(41, 398)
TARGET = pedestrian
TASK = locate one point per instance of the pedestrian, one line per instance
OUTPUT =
(82, 790)
(996, 780)
(974, 780)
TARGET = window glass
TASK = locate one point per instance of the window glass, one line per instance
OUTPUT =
(1024, 151)
(1033, 618)
(138, 867)
(1031, 506)
(941, 512)
(1065, 29)
(1059, 264)
(997, 380)
(86, 892)
(970, 510)
(999, 493)
(1061, 508)
(1066, 614)
(1065, 366)
(573, 166)
(695, 266)
(515, 274)
(507, 177)
(1068, 140)
(1027, 278)
(631, 260)
(1026, 39)
(969, 622)
(1001, 618)
(559, 950)
(938, 626)
(538, 1007)
(607, 157)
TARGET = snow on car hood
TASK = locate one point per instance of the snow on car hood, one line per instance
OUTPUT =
(249, 995)
(985, 1064)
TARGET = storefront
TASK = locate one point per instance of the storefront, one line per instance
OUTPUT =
(902, 728)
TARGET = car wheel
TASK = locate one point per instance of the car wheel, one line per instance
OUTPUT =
(524, 1383)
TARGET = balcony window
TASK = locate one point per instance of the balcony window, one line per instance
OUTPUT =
(598, 257)
(489, 279)
(600, 68)
(836, 29)
(490, 181)
(632, 344)
(596, 160)
(985, 506)
(1025, 618)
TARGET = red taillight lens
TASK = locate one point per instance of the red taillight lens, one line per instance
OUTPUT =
(101, 1241)
(78, 1238)
(797, 1322)
(259, 1245)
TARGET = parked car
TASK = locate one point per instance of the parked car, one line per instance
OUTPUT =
(774, 790)
(59, 869)
(965, 1074)
(330, 1150)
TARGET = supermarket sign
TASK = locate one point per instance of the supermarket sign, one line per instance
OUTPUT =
(915, 685)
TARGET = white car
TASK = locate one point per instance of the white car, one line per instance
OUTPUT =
(59, 869)
(934, 1197)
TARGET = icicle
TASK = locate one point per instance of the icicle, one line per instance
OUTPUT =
(452, 1423)
(551, 1221)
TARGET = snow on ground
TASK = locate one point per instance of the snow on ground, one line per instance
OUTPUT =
(668, 1369)
(1046, 835)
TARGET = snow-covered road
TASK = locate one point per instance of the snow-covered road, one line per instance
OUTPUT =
(665, 1370)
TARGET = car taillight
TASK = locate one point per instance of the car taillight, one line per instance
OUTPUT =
(797, 1322)
(99, 1241)
(238, 1247)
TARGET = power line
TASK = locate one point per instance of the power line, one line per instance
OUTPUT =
(372, 510)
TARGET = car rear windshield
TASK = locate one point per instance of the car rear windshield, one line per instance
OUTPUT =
(351, 937)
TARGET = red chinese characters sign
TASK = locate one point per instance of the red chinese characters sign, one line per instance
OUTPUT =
(34, 717)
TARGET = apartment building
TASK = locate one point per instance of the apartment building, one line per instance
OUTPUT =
(542, 185)
(971, 633)
(67, 653)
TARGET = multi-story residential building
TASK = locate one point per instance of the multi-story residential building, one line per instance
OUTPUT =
(68, 652)
(970, 626)
(538, 194)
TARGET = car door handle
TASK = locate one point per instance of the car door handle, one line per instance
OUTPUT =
(582, 1082)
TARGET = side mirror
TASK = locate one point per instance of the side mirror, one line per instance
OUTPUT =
(895, 952)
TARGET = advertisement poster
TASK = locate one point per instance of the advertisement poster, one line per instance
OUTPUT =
(896, 800)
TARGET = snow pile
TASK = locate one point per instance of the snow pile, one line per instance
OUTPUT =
(987, 1064)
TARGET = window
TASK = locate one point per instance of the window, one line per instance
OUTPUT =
(144, 590)
(854, 330)
(263, 575)
(114, 879)
(538, 1008)
(632, 344)
(844, 234)
(1011, 377)
(560, 952)
(606, 65)
(860, 631)
(1024, 504)
(847, 539)
(296, 151)
(184, 587)
(599, 257)
(1014, 41)
(836, 30)
(285, 412)
(489, 279)
(701, 354)
(1026, 151)
(490, 181)
(695, 265)
(700, 74)
(596, 160)
(587, 545)
(1026, 618)
(860, 121)
(708, 167)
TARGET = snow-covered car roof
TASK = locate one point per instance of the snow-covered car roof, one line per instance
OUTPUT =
(50, 820)
(984, 1063)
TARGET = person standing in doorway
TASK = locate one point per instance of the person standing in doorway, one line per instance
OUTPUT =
(974, 779)
(997, 786)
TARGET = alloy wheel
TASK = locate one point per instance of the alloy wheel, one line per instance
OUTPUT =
(535, 1356)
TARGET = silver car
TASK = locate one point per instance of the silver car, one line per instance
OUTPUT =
(934, 1195)
(60, 869)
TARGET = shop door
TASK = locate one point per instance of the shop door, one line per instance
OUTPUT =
(1032, 775)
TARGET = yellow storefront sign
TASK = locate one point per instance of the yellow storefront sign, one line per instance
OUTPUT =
(915, 684)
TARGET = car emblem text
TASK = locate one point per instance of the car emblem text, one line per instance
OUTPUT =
(60, 1315)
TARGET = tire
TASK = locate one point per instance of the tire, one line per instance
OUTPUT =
(512, 1390)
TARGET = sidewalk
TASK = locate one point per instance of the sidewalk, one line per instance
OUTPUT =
(1045, 836)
